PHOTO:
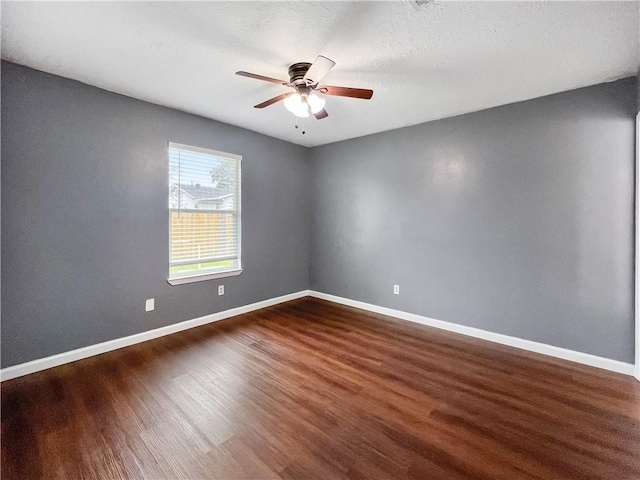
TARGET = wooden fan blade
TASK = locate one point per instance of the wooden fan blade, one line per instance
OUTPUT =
(346, 92)
(318, 69)
(321, 114)
(273, 100)
(263, 78)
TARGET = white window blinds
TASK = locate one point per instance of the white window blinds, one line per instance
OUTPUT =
(204, 210)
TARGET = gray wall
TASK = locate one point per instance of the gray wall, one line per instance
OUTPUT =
(516, 220)
(84, 216)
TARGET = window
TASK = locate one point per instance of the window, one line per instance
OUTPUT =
(204, 214)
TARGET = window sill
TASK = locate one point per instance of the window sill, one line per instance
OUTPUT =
(203, 277)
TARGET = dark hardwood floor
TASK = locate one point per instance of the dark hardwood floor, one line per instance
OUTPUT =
(309, 389)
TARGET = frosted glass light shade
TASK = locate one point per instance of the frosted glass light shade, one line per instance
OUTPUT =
(315, 102)
(296, 105)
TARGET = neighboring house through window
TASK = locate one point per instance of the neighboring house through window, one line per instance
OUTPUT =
(204, 214)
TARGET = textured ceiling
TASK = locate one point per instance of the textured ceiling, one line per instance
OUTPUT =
(444, 59)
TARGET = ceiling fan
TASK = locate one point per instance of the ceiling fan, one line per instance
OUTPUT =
(304, 78)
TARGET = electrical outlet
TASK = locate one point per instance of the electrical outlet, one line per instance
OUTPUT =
(220, 289)
(396, 289)
(149, 304)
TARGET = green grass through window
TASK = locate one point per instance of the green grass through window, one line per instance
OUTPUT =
(175, 271)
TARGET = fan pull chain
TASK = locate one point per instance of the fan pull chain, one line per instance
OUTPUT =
(303, 131)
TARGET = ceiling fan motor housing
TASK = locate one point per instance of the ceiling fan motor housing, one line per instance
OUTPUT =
(297, 72)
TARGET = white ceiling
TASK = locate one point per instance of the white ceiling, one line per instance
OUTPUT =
(445, 59)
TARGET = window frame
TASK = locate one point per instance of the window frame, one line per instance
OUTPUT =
(203, 276)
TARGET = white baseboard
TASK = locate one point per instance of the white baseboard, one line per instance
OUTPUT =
(579, 357)
(67, 357)
(73, 355)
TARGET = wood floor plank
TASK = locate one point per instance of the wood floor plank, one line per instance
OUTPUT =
(311, 389)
